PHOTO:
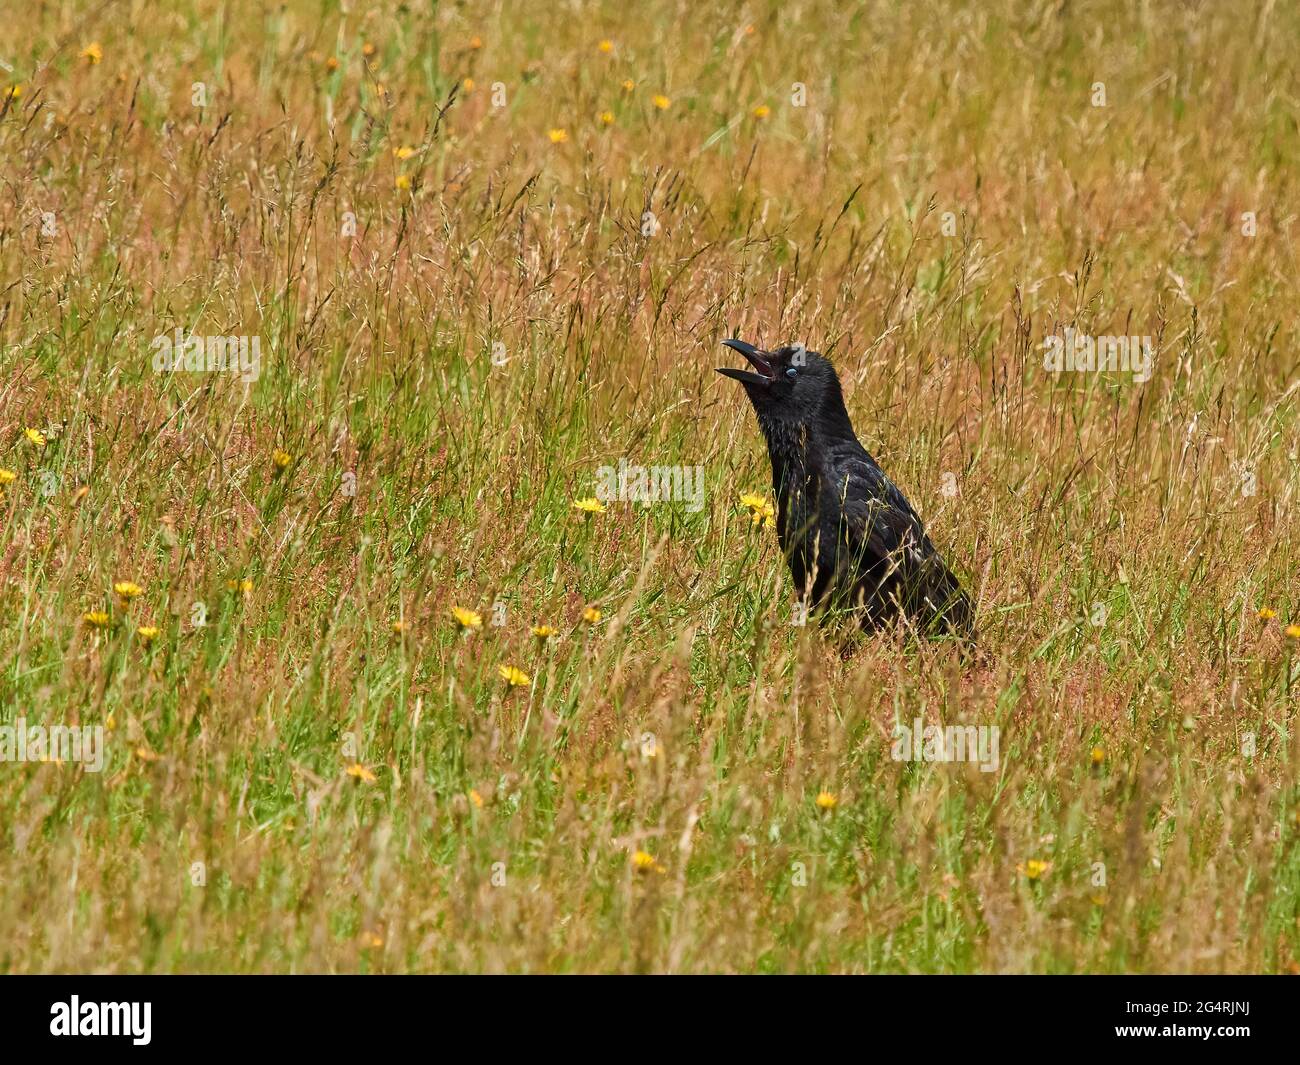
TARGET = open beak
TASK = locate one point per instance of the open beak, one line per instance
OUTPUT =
(760, 360)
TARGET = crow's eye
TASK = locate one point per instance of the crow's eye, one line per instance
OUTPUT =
(792, 373)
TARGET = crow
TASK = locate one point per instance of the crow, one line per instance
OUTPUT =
(852, 540)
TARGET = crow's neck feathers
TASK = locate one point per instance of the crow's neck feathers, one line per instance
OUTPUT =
(798, 432)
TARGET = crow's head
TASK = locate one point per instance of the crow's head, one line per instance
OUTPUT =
(790, 384)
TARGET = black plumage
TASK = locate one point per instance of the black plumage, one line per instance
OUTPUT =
(850, 536)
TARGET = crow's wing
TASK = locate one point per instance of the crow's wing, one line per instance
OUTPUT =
(876, 517)
(882, 530)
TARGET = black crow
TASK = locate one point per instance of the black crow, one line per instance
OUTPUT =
(852, 540)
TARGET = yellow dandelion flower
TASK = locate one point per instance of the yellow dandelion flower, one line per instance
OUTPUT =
(826, 801)
(35, 436)
(332, 63)
(13, 92)
(367, 49)
(558, 136)
(244, 585)
(589, 505)
(147, 633)
(591, 615)
(360, 772)
(645, 863)
(607, 118)
(476, 798)
(1267, 614)
(467, 84)
(1097, 755)
(96, 619)
(606, 46)
(1033, 869)
(404, 151)
(661, 101)
(628, 84)
(7, 476)
(92, 53)
(516, 678)
(281, 459)
(402, 181)
(762, 111)
(399, 626)
(476, 43)
(1293, 631)
(128, 590)
(761, 512)
(467, 619)
(543, 632)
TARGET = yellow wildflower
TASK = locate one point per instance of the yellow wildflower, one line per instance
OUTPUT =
(1293, 631)
(607, 118)
(476, 798)
(96, 619)
(404, 151)
(92, 53)
(467, 619)
(1033, 869)
(147, 633)
(661, 101)
(826, 801)
(606, 46)
(542, 632)
(35, 436)
(7, 476)
(558, 136)
(516, 678)
(762, 111)
(128, 590)
(281, 458)
(591, 615)
(402, 181)
(360, 772)
(645, 863)
(761, 512)
(590, 505)
(1267, 614)
(628, 84)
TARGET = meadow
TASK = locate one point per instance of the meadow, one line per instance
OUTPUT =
(385, 686)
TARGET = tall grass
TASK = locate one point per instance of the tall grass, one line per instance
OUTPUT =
(545, 296)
